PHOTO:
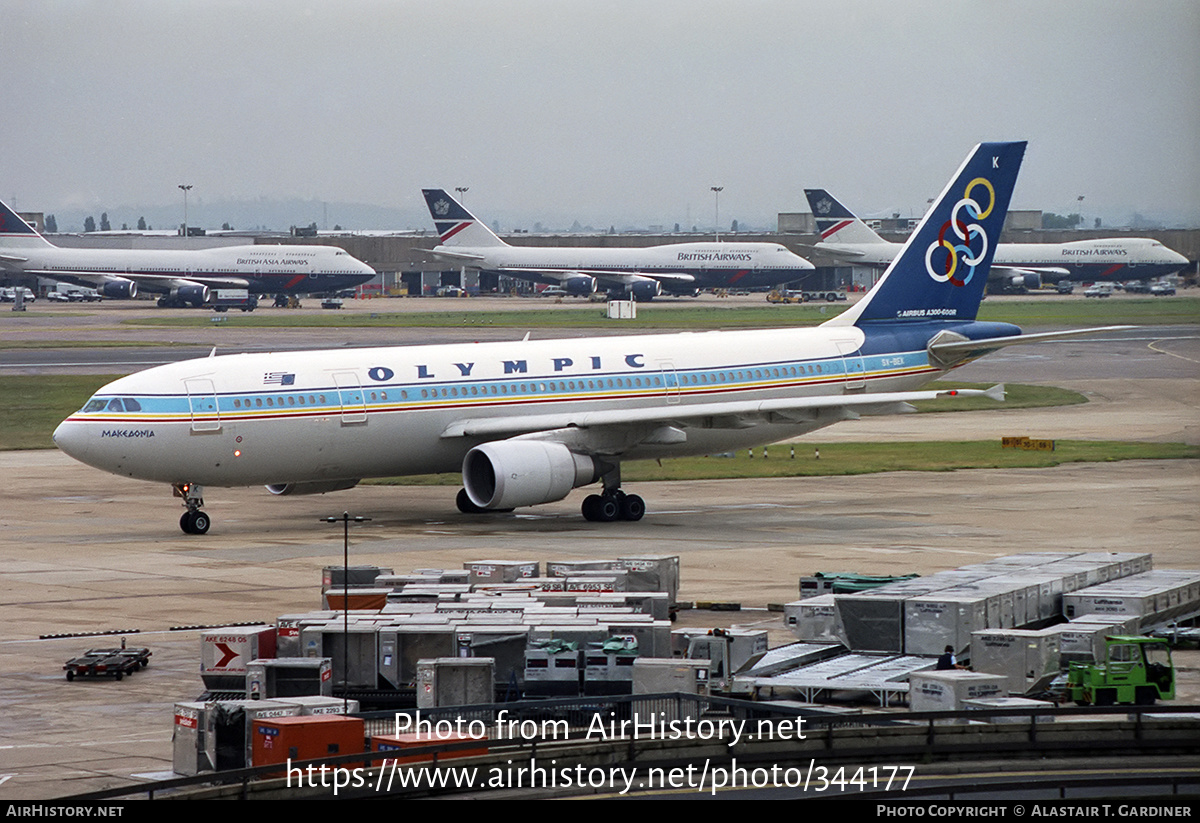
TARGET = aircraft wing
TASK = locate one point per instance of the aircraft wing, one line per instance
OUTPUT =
(621, 278)
(12, 258)
(146, 282)
(670, 421)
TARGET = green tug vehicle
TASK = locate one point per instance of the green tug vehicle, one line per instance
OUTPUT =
(1135, 670)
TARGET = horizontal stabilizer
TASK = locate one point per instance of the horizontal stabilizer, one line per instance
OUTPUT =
(950, 352)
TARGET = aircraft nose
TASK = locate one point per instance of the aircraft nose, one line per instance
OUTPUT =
(66, 438)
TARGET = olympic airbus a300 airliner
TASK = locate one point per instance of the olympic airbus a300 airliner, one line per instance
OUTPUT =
(182, 276)
(528, 421)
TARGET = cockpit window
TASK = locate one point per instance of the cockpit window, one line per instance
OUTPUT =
(132, 405)
(95, 405)
(116, 405)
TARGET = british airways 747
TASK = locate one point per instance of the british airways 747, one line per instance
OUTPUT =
(641, 273)
(528, 421)
(182, 276)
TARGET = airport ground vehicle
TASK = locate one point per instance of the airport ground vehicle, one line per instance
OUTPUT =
(1135, 670)
(1098, 290)
(1162, 289)
(115, 663)
(225, 299)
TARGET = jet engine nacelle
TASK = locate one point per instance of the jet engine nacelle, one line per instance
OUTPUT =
(194, 293)
(119, 289)
(514, 473)
(645, 290)
(311, 487)
(580, 285)
(1032, 280)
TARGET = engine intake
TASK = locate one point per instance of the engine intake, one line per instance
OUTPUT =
(196, 294)
(515, 473)
(311, 487)
(119, 289)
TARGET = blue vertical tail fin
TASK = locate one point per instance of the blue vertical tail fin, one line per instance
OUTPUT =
(835, 222)
(455, 225)
(15, 232)
(942, 270)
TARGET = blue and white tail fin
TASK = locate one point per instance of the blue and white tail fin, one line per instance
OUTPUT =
(835, 222)
(941, 272)
(455, 225)
(16, 233)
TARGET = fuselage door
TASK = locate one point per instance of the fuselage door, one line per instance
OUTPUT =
(852, 361)
(350, 393)
(202, 402)
(670, 381)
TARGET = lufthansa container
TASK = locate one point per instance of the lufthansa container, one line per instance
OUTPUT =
(946, 618)
(947, 691)
(1027, 658)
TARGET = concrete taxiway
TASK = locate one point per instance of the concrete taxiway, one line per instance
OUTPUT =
(84, 551)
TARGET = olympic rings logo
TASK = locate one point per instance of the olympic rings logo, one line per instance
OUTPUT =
(961, 254)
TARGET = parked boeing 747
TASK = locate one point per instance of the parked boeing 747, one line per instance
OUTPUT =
(182, 276)
(1017, 266)
(640, 273)
(528, 421)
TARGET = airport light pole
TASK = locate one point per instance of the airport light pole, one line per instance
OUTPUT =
(186, 189)
(345, 520)
(462, 193)
(1079, 200)
(716, 190)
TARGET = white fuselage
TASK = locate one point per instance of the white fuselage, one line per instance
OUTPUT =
(263, 269)
(1109, 259)
(324, 415)
(704, 265)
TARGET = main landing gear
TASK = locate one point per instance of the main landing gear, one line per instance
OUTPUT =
(193, 521)
(612, 503)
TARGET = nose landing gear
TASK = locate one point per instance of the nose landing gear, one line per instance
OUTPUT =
(193, 521)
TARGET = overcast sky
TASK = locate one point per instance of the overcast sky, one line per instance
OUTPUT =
(605, 112)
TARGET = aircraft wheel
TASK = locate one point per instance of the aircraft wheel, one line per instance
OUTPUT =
(196, 522)
(70, 675)
(119, 675)
(463, 501)
(600, 508)
(632, 507)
